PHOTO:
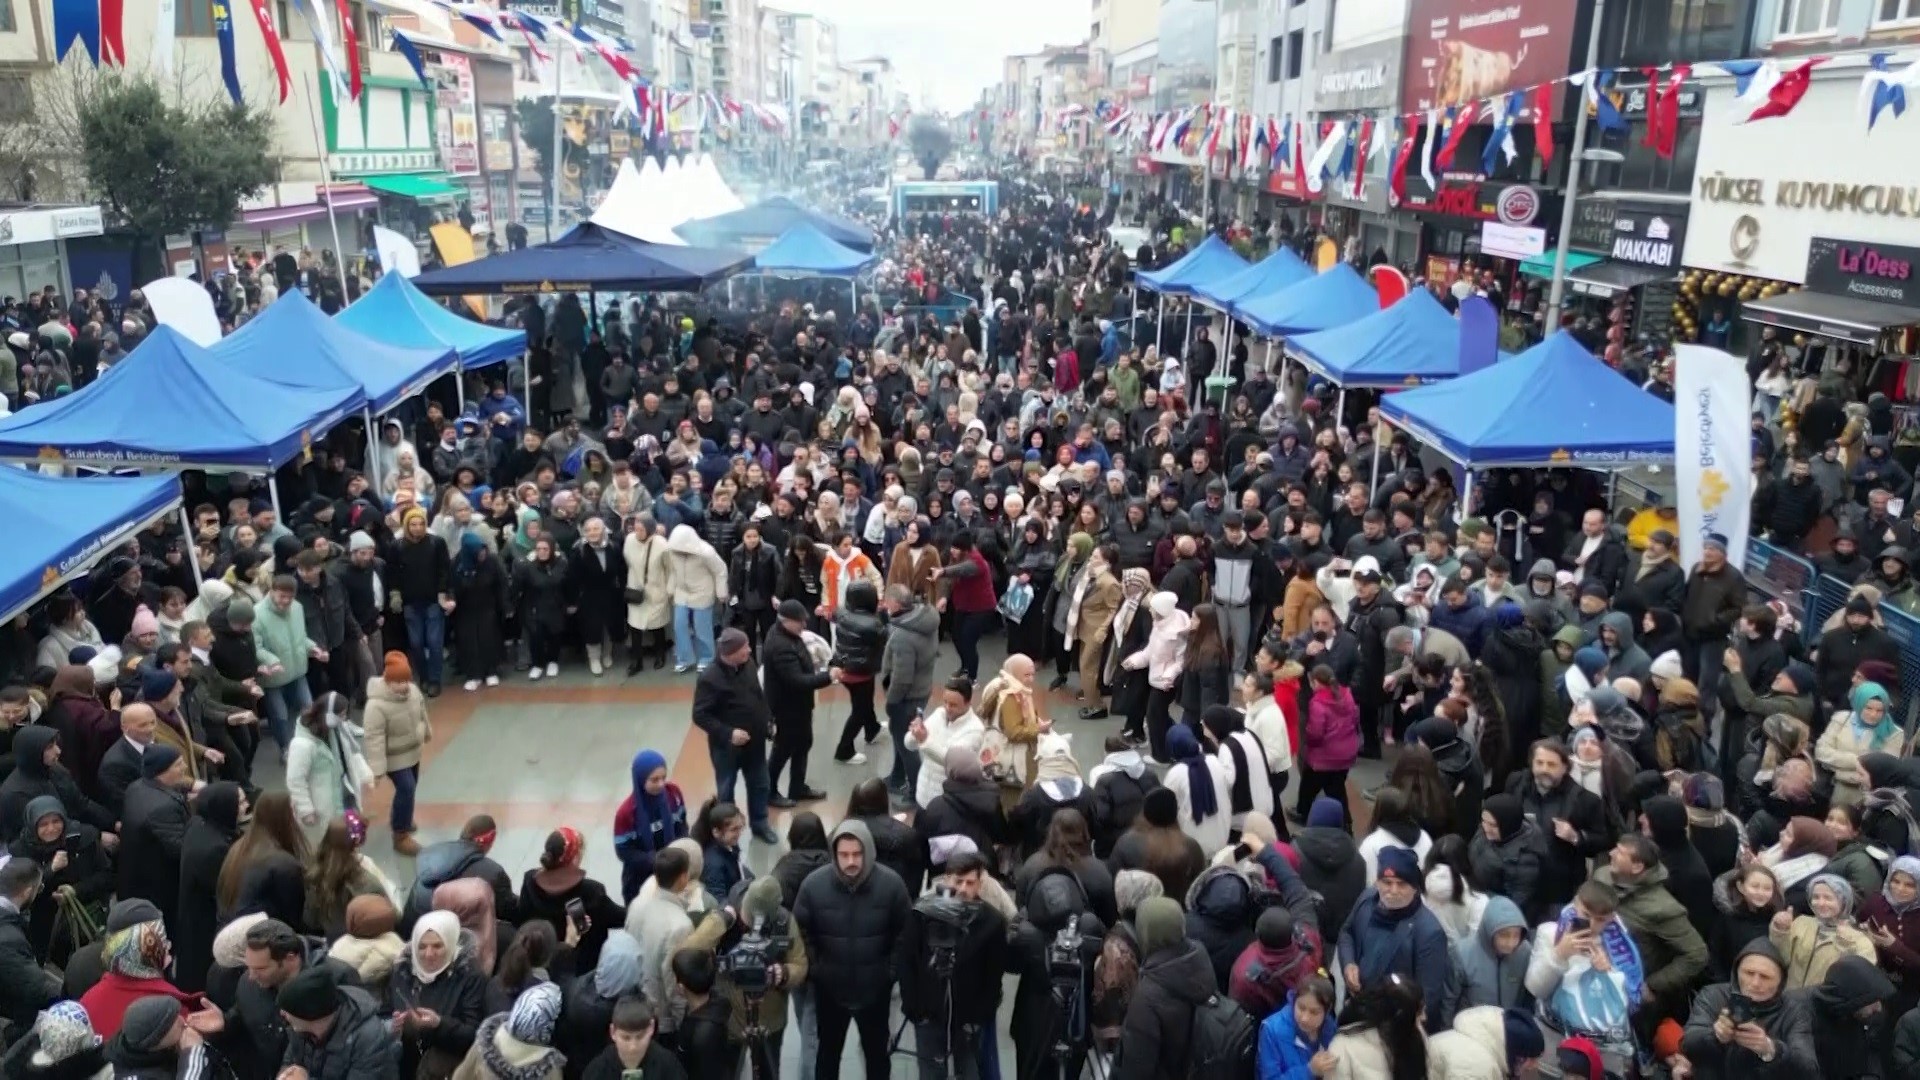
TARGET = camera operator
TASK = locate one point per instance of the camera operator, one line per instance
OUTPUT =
(956, 957)
(762, 957)
(1055, 942)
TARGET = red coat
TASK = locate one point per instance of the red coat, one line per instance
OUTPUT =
(1333, 730)
(108, 1001)
(1286, 694)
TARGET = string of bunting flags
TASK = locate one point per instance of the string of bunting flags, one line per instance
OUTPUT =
(1321, 153)
(97, 27)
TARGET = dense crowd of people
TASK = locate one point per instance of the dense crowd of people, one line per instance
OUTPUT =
(1634, 824)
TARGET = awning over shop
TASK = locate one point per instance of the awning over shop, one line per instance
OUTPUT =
(345, 203)
(1605, 278)
(1844, 318)
(1541, 266)
(420, 187)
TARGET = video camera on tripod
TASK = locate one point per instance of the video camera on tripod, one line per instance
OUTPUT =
(947, 920)
(748, 964)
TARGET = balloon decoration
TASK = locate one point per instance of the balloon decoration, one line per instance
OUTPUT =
(1700, 288)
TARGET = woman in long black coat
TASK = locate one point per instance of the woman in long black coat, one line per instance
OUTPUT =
(70, 856)
(540, 596)
(479, 609)
(596, 591)
(213, 829)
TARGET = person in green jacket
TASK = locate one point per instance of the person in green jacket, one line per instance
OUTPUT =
(1672, 952)
(1555, 659)
(1125, 379)
(280, 637)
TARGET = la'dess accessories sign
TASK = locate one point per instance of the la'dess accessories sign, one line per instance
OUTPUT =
(1882, 272)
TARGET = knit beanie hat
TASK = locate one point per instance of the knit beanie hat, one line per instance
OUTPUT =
(398, 668)
(1161, 925)
(147, 1022)
(1667, 666)
(1399, 863)
(1131, 888)
(1161, 808)
(359, 541)
(311, 995)
(239, 612)
(1590, 660)
(1327, 813)
(1704, 791)
(1802, 677)
(144, 622)
(157, 759)
(157, 683)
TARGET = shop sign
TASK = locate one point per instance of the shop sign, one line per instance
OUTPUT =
(457, 125)
(1649, 236)
(1363, 77)
(1632, 100)
(1593, 225)
(1479, 200)
(1282, 182)
(1461, 51)
(372, 162)
(1512, 241)
(40, 226)
(1865, 270)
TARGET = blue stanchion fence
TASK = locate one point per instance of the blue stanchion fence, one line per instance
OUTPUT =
(1776, 574)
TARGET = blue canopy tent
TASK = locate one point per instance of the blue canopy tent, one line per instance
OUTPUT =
(1553, 405)
(1334, 298)
(60, 526)
(294, 343)
(395, 312)
(807, 252)
(1414, 342)
(766, 221)
(587, 259)
(166, 406)
(1213, 261)
(1280, 270)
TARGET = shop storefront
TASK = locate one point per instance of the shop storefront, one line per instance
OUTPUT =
(390, 143)
(292, 215)
(33, 247)
(1623, 258)
(1841, 218)
(1469, 225)
(1355, 82)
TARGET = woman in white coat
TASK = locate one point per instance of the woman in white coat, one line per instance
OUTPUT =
(1202, 787)
(935, 734)
(699, 592)
(650, 583)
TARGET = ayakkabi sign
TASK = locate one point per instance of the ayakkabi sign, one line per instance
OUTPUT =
(1756, 210)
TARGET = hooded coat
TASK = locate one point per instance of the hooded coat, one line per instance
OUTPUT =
(1672, 952)
(1736, 924)
(586, 1006)
(1474, 1048)
(1786, 1018)
(1848, 1047)
(1373, 941)
(1331, 866)
(33, 778)
(1512, 867)
(1485, 977)
(853, 925)
(1221, 908)
(1156, 1039)
(1120, 786)
(203, 851)
(1626, 657)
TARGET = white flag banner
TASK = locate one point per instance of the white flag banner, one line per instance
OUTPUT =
(184, 304)
(397, 253)
(1712, 450)
(163, 38)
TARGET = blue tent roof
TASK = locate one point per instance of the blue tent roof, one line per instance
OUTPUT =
(1277, 271)
(770, 219)
(167, 406)
(294, 343)
(805, 249)
(1554, 404)
(396, 312)
(1335, 298)
(1212, 262)
(59, 526)
(1413, 342)
(587, 258)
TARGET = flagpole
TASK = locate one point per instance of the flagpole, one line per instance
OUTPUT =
(1557, 295)
(559, 122)
(326, 186)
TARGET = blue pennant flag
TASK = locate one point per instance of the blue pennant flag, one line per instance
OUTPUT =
(1502, 137)
(1743, 72)
(76, 19)
(1887, 94)
(1606, 112)
(1284, 152)
(229, 60)
(404, 46)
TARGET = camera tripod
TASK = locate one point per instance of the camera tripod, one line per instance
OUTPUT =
(1069, 1044)
(942, 968)
(759, 1053)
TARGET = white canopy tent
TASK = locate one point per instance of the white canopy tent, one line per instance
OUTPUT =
(637, 207)
(716, 197)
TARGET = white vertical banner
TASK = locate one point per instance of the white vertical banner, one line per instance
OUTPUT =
(163, 38)
(1712, 450)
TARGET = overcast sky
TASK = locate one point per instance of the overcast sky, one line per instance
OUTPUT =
(948, 49)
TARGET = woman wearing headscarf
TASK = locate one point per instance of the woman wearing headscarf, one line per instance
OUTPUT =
(480, 604)
(586, 1012)
(72, 864)
(1777, 1040)
(518, 1045)
(1162, 658)
(595, 574)
(1057, 785)
(210, 834)
(136, 961)
(1803, 850)
(438, 995)
(653, 815)
(968, 805)
(541, 598)
(1032, 563)
(1132, 626)
(1062, 603)
(1867, 726)
(649, 592)
(1007, 704)
(559, 881)
(471, 900)
(1201, 787)
(1509, 854)
(1249, 788)
(1809, 944)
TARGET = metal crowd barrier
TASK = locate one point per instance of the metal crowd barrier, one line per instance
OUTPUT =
(1777, 574)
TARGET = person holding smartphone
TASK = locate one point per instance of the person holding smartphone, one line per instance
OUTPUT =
(1750, 1027)
(1587, 939)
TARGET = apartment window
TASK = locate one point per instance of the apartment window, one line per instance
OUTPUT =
(1296, 45)
(1805, 18)
(7, 25)
(1891, 11)
(192, 19)
(1276, 58)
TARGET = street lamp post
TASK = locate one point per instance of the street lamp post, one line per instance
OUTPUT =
(1557, 293)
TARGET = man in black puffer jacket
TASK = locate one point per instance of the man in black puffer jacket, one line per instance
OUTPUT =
(1175, 978)
(255, 1039)
(792, 677)
(1136, 536)
(946, 1011)
(854, 915)
(340, 1033)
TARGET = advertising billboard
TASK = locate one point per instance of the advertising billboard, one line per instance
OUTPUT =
(1471, 50)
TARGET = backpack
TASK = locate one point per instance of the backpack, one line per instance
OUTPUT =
(1222, 1042)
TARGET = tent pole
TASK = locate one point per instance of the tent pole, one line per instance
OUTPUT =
(1613, 490)
(1160, 322)
(273, 492)
(1340, 412)
(193, 549)
(460, 386)
(1373, 482)
(1269, 364)
(372, 456)
(1466, 492)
